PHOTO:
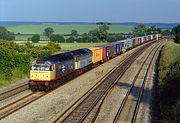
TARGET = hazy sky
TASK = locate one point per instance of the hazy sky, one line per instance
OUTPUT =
(90, 10)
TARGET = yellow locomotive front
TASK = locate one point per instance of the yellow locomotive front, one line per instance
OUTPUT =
(42, 72)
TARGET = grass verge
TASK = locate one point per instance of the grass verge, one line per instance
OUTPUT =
(169, 83)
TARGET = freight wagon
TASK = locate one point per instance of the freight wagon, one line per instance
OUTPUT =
(97, 56)
(117, 48)
(107, 51)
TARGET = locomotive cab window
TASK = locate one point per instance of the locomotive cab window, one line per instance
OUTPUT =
(40, 67)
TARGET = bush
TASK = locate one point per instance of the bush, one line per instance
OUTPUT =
(52, 47)
(5, 34)
(6, 62)
(35, 38)
(169, 78)
(57, 38)
(29, 38)
(35, 53)
(176, 32)
(22, 61)
(70, 40)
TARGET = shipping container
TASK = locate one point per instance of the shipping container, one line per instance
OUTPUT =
(142, 39)
(117, 49)
(138, 40)
(97, 54)
(123, 44)
(130, 43)
(108, 51)
(134, 42)
(121, 47)
(151, 37)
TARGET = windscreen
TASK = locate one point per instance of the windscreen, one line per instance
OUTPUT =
(40, 67)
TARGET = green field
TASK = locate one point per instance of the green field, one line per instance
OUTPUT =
(65, 29)
(65, 46)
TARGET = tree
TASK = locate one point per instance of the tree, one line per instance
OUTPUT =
(29, 38)
(70, 40)
(86, 37)
(104, 27)
(111, 38)
(5, 34)
(114, 37)
(140, 30)
(48, 31)
(35, 38)
(152, 30)
(94, 33)
(74, 33)
(166, 32)
(103, 34)
(57, 38)
(6, 62)
(176, 33)
(159, 30)
(102, 23)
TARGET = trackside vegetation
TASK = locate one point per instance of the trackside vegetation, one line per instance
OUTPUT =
(15, 59)
(169, 83)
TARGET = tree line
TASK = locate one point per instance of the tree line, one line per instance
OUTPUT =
(99, 34)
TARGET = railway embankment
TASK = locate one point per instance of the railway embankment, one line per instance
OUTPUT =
(168, 86)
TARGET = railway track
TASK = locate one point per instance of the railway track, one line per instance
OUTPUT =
(20, 103)
(80, 111)
(13, 91)
(94, 114)
(28, 98)
(126, 108)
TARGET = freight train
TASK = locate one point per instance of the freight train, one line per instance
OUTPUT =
(49, 72)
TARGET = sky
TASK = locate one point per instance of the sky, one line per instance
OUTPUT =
(164, 11)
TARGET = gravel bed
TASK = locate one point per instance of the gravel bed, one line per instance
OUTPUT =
(14, 85)
(46, 108)
(14, 98)
(116, 95)
(144, 114)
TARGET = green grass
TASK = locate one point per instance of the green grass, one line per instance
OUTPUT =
(176, 50)
(65, 46)
(72, 46)
(169, 77)
(65, 29)
(17, 75)
(170, 53)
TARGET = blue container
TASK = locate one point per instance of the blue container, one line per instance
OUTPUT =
(134, 42)
(116, 48)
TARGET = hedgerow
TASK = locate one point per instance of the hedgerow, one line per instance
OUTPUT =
(169, 86)
(14, 57)
(6, 62)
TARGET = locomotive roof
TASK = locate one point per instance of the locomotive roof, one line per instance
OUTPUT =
(63, 56)
(84, 51)
(55, 58)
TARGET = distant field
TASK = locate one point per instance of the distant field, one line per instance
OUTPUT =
(66, 46)
(65, 29)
